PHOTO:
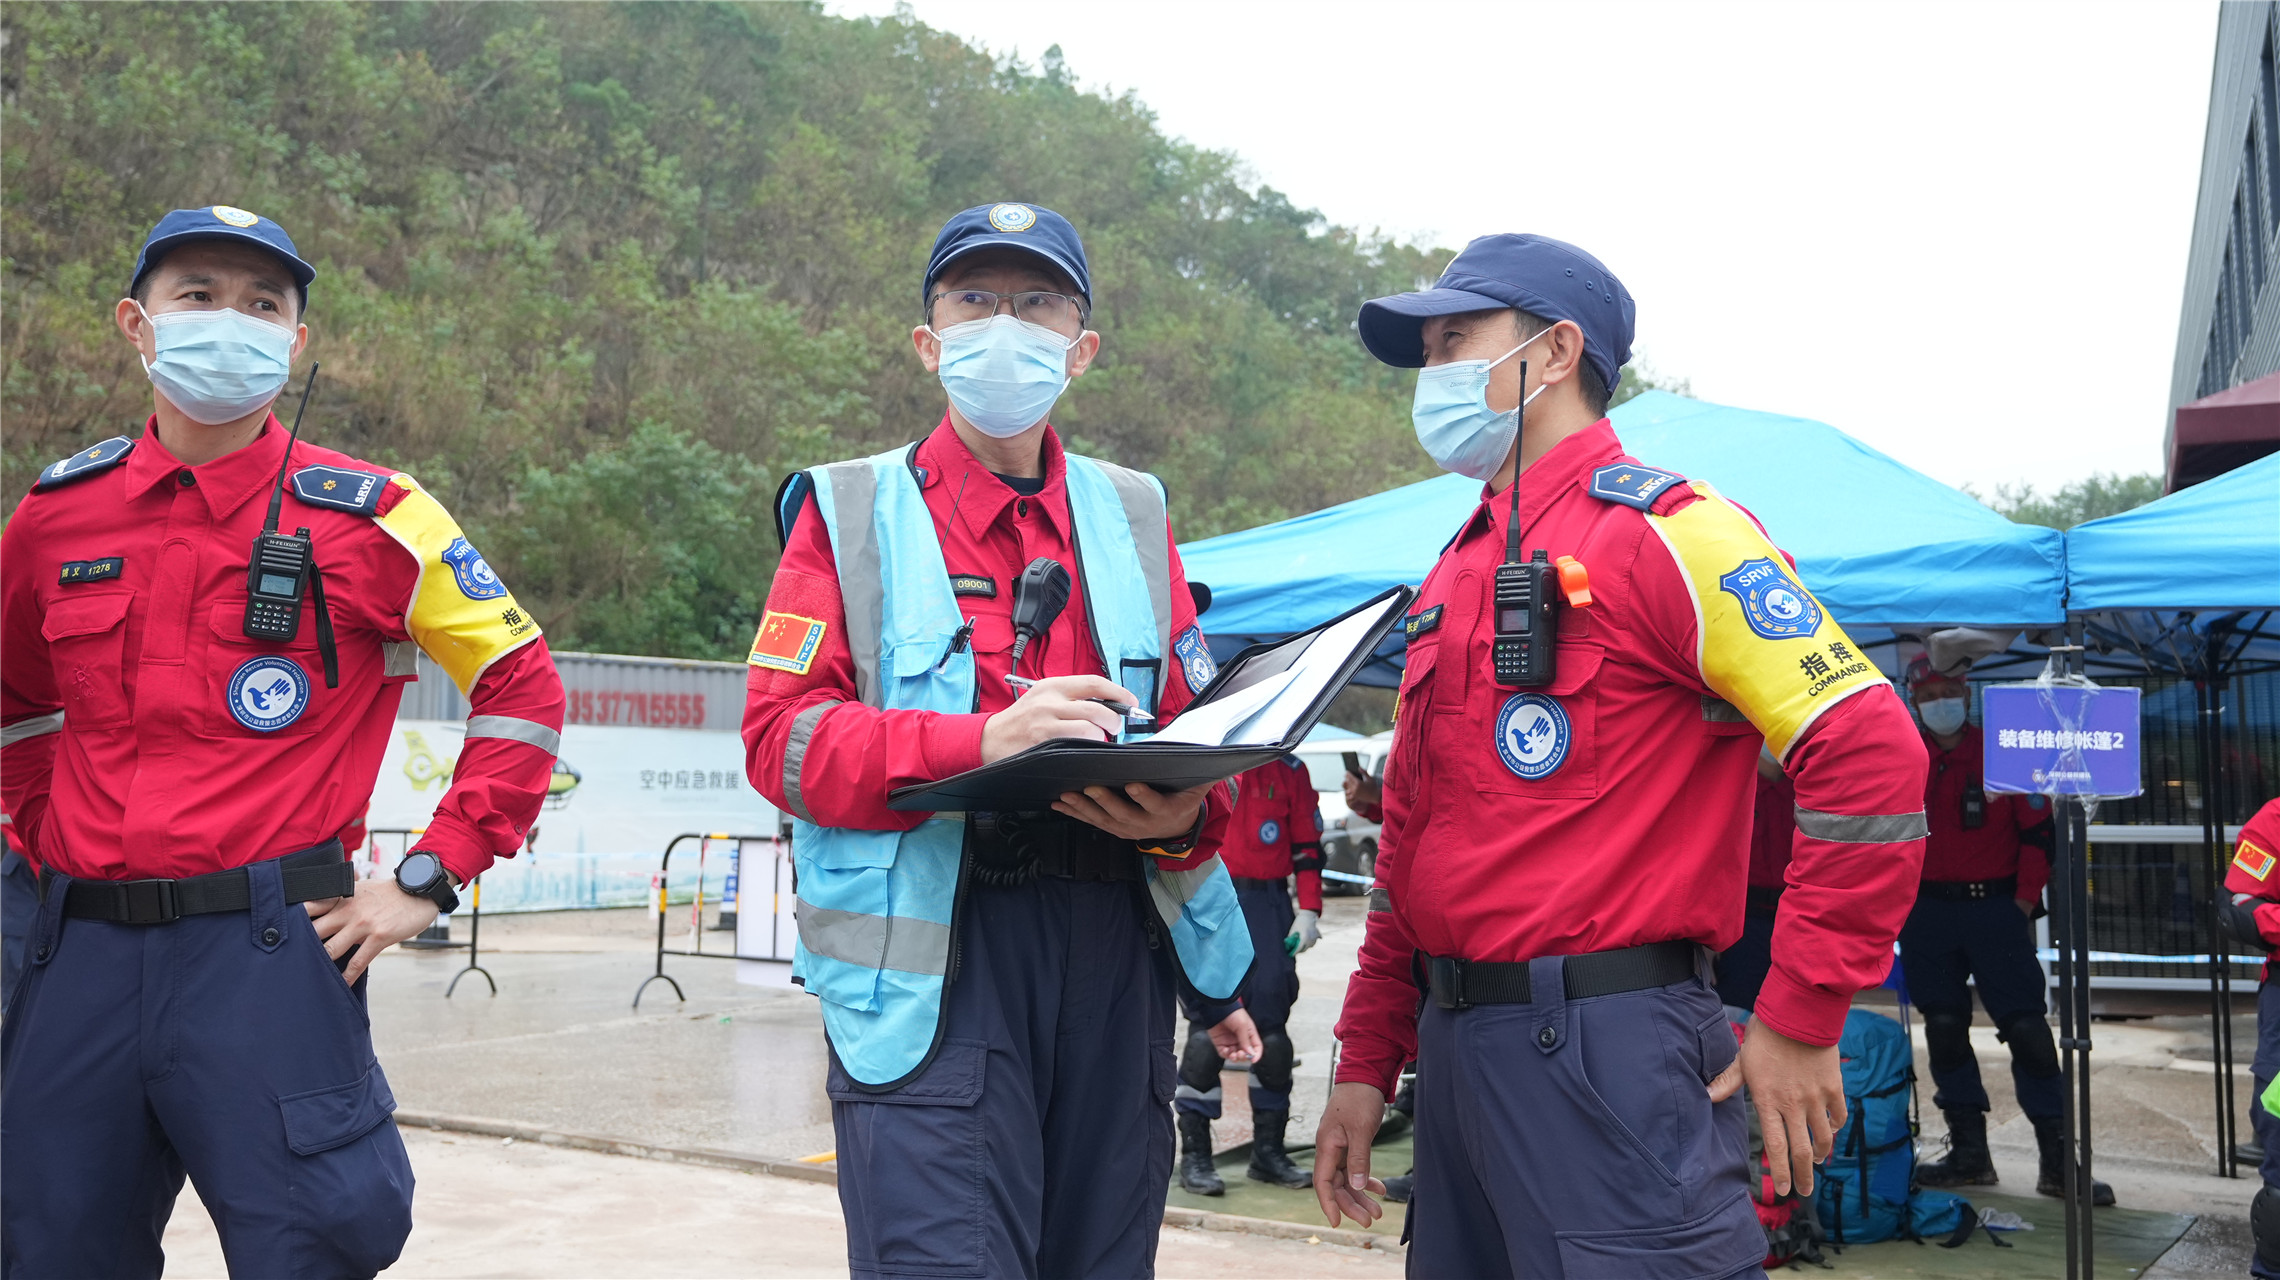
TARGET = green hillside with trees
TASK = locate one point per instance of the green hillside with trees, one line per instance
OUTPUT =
(601, 274)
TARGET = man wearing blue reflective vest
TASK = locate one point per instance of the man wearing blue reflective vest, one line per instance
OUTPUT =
(998, 988)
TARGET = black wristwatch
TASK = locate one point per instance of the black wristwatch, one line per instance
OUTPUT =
(421, 874)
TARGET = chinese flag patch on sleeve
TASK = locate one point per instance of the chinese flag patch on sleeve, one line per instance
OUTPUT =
(787, 642)
(2256, 862)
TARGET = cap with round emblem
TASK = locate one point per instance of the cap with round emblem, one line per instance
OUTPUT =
(220, 222)
(1012, 225)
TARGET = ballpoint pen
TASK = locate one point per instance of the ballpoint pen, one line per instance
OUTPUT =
(1125, 709)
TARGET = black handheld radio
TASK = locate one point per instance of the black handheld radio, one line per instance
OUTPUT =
(1525, 652)
(284, 566)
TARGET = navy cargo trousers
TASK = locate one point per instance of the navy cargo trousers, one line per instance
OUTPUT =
(1268, 991)
(1038, 1142)
(225, 1046)
(1577, 1139)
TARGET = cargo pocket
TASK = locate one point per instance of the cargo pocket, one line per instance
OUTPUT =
(913, 1166)
(351, 1180)
(87, 641)
(1721, 1243)
(841, 912)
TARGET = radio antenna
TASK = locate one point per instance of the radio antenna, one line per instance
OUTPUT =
(277, 491)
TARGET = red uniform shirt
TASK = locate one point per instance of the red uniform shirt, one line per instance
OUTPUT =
(1611, 808)
(1276, 830)
(2255, 869)
(1773, 829)
(1992, 849)
(988, 532)
(146, 736)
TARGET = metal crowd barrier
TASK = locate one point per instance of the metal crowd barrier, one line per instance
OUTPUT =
(780, 852)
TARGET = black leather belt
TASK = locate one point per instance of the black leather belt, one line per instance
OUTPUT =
(1765, 899)
(322, 872)
(1969, 890)
(1011, 848)
(1461, 984)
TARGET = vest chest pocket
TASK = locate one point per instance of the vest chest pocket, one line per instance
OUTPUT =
(1541, 742)
(913, 683)
(87, 641)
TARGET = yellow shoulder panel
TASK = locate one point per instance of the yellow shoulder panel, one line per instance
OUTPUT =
(460, 612)
(1763, 643)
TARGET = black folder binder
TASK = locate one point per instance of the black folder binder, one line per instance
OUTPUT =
(1030, 780)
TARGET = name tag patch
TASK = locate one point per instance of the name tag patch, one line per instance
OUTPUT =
(1419, 623)
(2256, 862)
(979, 585)
(787, 642)
(78, 571)
(1533, 735)
(268, 693)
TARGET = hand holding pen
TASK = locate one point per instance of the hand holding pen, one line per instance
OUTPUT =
(1124, 709)
(1056, 707)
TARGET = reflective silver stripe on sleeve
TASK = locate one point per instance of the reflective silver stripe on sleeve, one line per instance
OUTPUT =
(1380, 900)
(530, 731)
(862, 587)
(1152, 537)
(795, 755)
(399, 658)
(1862, 828)
(874, 942)
(30, 727)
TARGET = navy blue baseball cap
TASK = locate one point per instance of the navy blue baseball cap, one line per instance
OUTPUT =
(221, 222)
(1016, 226)
(1544, 277)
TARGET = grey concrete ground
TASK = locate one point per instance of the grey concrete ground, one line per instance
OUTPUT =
(739, 1069)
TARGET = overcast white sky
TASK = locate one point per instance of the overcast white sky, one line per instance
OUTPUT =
(1957, 231)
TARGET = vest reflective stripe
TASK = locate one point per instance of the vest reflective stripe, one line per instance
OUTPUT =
(875, 907)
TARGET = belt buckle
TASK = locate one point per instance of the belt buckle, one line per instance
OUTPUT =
(150, 902)
(1448, 976)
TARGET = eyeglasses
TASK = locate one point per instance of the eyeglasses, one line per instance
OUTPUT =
(1037, 306)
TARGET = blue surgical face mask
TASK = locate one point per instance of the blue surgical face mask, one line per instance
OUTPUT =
(218, 366)
(1003, 374)
(1942, 716)
(1453, 419)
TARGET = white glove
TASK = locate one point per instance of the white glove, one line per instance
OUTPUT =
(1308, 930)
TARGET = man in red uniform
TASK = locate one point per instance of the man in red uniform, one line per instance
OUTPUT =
(1274, 836)
(1558, 856)
(1053, 1041)
(1985, 865)
(194, 996)
(2253, 915)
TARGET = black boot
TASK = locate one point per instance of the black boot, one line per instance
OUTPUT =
(1967, 1163)
(1399, 1187)
(2052, 1179)
(1268, 1163)
(1197, 1173)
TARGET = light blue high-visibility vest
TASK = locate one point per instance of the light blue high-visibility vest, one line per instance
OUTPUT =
(877, 909)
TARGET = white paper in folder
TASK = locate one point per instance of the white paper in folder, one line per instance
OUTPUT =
(1267, 706)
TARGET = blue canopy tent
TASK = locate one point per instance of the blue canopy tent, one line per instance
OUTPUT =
(2189, 586)
(1883, 546)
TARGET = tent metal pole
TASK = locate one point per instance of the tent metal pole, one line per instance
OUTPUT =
(2070, 880)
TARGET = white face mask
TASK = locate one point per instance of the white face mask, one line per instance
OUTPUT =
(1454, 423)
(1942, 716)
(217, 366)
(1003, 373)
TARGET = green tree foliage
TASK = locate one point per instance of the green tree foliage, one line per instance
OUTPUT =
(601, 274)
(2102, 494)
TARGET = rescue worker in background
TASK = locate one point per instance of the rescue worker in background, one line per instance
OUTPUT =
(1274, 836)
(998, 989)
(1557, 860)
(1773, 829)
(186, 792)
(2252, 914)
(1985, 865)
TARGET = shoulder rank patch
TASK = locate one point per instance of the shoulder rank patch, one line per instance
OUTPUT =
(979, 585)
(786, 642)
(86, 462)
(339, 488)
(78, 571)
(2255, 861)
(1631, 484)
(1419, 623)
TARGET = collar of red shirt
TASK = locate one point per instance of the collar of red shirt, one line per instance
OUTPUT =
(1552, 475)
(979, 497)
(228, 481)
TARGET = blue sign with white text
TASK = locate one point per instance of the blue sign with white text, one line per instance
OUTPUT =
(2061, 740)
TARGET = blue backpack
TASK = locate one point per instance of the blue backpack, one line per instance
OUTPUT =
(1863, 1192)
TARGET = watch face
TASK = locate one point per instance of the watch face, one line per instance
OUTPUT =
(417, 871)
